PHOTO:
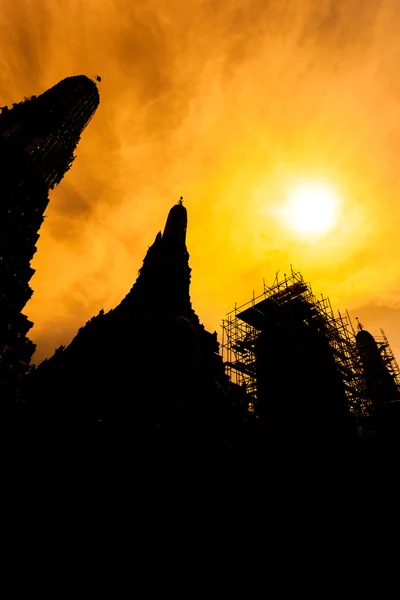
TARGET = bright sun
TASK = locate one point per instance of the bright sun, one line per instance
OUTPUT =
(312, 208)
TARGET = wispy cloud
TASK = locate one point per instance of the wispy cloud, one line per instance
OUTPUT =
(223, 102)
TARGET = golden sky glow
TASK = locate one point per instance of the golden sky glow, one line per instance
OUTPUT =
(226, 102)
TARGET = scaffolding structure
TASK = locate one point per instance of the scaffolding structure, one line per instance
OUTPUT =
(388, 357)
(243, 325)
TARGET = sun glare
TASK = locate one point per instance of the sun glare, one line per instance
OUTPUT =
(312, 208)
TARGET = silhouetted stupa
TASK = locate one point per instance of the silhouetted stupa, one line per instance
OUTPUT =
(381, 375)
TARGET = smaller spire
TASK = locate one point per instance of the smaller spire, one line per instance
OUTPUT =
(181, 200)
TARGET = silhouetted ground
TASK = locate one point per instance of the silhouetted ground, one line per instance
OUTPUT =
(183, 496)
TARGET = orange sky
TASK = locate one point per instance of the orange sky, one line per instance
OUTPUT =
(223, 102)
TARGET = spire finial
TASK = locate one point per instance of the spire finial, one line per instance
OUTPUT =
(181, 200)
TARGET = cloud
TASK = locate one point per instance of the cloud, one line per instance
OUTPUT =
(223, 103)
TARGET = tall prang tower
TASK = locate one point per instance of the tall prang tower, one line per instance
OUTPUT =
(162, 286)
(154, 330)
(38, 137)
(146, 375)
(139, 399)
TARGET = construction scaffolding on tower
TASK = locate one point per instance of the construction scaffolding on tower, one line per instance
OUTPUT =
(388, 356)
(243, 325)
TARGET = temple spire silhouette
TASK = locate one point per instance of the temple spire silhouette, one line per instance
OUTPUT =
(164, 279)
(176, 224)
(148, 354)
(38, 137)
